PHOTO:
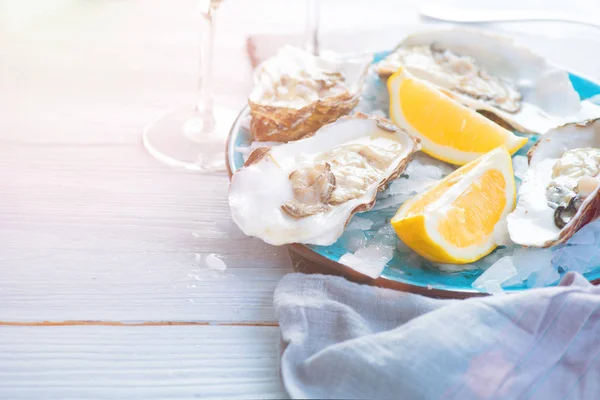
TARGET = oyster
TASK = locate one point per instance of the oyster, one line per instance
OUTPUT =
(296, 93)
(559, 193)
(306, 191)
(459, 73)
(505, 82)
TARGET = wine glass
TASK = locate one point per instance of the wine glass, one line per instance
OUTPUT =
(193, 137)
(312, 27)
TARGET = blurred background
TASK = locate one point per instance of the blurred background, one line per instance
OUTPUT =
(143, 55)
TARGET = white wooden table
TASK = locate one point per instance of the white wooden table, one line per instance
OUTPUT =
(103, 288)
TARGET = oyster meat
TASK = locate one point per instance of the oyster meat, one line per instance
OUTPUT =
(296, 93)
(559, 193)
(459, 73)
(505, 82)
(306, 191)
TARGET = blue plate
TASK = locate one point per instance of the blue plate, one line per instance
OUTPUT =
(406, 271)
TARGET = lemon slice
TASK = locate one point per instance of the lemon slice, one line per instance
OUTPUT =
(456, 220)
(449, 131)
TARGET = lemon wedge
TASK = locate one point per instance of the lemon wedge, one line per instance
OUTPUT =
(449, 131)
(457, 220)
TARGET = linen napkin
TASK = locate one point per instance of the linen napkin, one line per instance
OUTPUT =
(351, 341)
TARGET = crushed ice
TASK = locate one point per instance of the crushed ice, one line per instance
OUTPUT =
(582, 251)
(423, 172)
(507, 266)
(543, 267)
(370, 260)
(359, 223)
(385, 236)
(453, 268)
(355, 239)
(530, 266)
(374, 96)
(371, 257)
(214, 263)
(493, 287)
(500, 272)
(520, 166)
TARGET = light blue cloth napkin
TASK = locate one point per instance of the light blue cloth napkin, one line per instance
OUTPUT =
(344, 340)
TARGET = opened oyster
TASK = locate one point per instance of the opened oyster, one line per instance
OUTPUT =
(505, 82)
(296, 93)
(306, 191)
(559, 193)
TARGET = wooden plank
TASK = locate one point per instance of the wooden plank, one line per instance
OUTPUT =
(112, 235)
(91, 227)
(160, 362)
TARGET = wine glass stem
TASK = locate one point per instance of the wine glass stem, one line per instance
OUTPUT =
(312, 27)
(204, 105)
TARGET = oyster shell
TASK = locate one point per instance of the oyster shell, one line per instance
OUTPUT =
(306, 191)
(504, 81)
(560, 190)
(296, 93)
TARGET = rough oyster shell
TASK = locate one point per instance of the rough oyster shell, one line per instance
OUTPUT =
(281, 112)
(547, 97)
(532, 222)
(265, 194)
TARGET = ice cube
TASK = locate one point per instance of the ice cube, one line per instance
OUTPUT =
(544, 277)
(424, 166)
(355, 240)
(582, 251)
(501, 271)
(452, 268)
(409, 186)
(582, 258)
(491, 259)
(593, 264)
(370, 260)
(374, 95)
(493, 287)
(391, 202)
(565, 258)
(584, 254)
(385, 236)
(527, 262)
(520, 165)
(213, 262)
(359, 223)
(422, 173)
(586, 235)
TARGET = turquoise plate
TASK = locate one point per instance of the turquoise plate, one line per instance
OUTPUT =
(402, 272)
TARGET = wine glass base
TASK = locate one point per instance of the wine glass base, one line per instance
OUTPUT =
(179, 139)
